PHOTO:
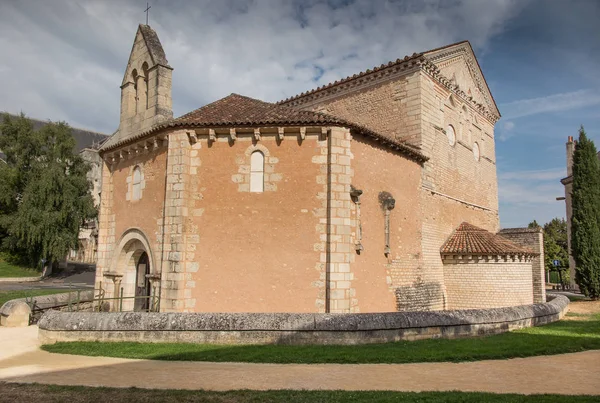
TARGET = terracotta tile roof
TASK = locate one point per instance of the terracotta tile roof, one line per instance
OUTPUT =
(468, 239)
(413, 59)
(237, 110)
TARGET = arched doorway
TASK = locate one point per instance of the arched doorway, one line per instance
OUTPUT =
(142, 285)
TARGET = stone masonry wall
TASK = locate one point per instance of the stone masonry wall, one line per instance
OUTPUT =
(138, 111)
(179, 260)
(532, 238)
(106, 225)
(391, 108)
(300, 328)
(379, 170)
(456, 187)
(487, 282)
(119, 213)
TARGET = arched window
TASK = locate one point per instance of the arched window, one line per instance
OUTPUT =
(257, 171)
(134, 76)
(145, 89)
(136, 184)
(476, 151)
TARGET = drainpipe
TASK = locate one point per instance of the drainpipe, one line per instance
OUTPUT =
(328, 243)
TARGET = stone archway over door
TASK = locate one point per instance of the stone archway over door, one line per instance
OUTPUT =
(133, 268)
(142, 286)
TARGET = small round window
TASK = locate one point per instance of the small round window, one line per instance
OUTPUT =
(476, 152)
(451, 135)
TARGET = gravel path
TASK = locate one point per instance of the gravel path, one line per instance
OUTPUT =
(22, 361)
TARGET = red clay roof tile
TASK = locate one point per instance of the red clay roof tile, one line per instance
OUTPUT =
(468, 239)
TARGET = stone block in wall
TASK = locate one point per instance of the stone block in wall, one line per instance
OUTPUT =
(532, 238)
(419, 296)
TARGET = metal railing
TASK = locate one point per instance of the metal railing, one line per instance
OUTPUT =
(99, 302)
(152, 305)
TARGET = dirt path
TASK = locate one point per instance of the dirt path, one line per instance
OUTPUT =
(584, 307)
(22, 361)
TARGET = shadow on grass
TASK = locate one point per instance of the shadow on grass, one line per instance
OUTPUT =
(556, 338)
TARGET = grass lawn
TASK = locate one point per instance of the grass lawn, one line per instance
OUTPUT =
(579, 333)
(79, 394)
(8, 295)
(12, 270)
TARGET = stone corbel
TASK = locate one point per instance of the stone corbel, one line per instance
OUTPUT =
(303, 133)
(324, 131)
(257, 134)
(233, 134)
(212, 136)
(280, 132)
(192, 137)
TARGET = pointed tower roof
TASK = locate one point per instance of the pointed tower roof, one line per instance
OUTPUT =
(157, 53)
(153, 45)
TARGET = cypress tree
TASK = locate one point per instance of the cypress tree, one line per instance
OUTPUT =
(585, 224)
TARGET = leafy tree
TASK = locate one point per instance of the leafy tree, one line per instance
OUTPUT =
(533, 224)
(585, 224)
(44, 190)
(556, 247)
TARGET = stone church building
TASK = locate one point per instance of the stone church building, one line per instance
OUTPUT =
(377, 192)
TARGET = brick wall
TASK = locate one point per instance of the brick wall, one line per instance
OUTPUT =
(392, 107)
(532, 238)
(487, 282)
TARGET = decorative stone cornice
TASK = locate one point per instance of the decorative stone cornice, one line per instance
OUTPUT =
(401, 67)
(434, 72)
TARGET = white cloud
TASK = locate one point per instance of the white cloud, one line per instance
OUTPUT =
(528, 195)
(552, 103)
(505, 131)
(65, 59)
(553, 174)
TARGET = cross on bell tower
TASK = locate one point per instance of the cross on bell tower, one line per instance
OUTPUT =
(147, 11)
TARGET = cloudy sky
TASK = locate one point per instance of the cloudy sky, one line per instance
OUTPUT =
(64, 60)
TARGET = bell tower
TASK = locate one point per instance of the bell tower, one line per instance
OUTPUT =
(146, 87)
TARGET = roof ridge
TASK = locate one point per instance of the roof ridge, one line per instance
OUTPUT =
(352, 77)
(390, 63)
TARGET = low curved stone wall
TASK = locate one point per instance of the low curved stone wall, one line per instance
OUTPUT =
(20, 279)
(294, 328)
(60, 301)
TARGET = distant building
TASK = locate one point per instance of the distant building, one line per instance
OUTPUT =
(87, 144)
(568, 184)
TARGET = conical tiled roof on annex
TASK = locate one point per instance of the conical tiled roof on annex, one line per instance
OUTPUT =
(468, 239)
